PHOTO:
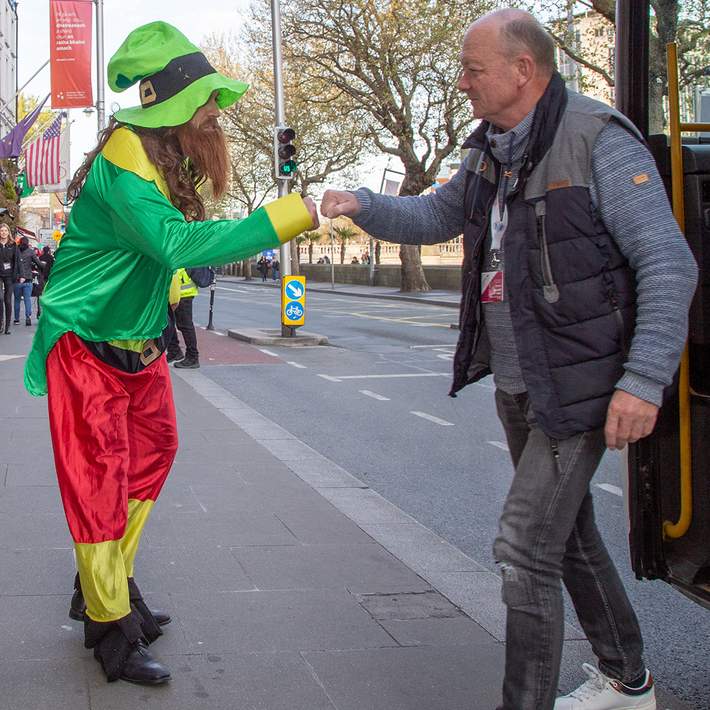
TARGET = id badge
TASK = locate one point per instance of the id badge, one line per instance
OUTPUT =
(6, 265)
(493, 278)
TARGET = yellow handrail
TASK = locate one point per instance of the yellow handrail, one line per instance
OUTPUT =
(679, 528)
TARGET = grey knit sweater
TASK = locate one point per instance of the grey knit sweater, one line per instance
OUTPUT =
(640, 221)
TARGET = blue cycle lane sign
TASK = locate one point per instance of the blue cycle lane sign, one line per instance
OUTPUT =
(293, 301)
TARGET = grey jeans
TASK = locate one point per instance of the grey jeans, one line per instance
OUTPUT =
(547, 534)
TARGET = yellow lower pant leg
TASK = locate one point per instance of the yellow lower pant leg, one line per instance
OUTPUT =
(104, 583)
(138, 512)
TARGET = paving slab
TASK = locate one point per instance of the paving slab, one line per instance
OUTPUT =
(268, 621)
(358, 568)
(65, 685)
(224, 681)
(420, 678)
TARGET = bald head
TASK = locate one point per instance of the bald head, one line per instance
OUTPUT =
(518, 32)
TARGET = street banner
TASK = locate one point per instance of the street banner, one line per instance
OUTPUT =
(293, 301)
(70, 33)
(11, 144)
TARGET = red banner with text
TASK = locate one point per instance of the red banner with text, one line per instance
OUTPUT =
(70, 52)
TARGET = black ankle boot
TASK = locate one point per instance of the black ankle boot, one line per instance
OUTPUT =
(77, 608)
(141, 667)
(28, 321)
(121, 650)
(189, 362)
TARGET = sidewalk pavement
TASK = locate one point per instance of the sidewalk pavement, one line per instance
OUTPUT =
(447, 299)
(280, 601)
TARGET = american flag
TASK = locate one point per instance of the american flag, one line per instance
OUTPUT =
(42, 156)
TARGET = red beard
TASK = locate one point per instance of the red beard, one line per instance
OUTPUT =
(206, 147)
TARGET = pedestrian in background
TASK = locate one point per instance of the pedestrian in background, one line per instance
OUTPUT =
(26, 259)
(184, 323)
(275, 270)
(47, 258)
(576, 289)
(8, 258)
(263, 267)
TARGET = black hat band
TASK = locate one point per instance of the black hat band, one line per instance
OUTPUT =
(177, 75)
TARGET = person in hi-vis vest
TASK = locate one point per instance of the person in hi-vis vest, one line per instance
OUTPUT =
(183, 322)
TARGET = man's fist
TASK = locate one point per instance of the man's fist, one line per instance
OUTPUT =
(628, 419)
(311, 207)
(337, 203)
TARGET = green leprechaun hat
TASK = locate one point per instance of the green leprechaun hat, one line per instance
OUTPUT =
(175, 77)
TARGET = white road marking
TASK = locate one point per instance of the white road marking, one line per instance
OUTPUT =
(329, 378)
(447, 356)
(296, 364)
(3, 358)
(432, 418)
(420, 347)
(385, 377)
(374, 395)
(610, 489)
(406, 321)
(267, 352)
(499, 445)
(237, 290)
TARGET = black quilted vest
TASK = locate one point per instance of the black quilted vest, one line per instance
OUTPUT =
(572, 293)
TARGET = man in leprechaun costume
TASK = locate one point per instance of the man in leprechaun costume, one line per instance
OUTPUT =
(99, 347)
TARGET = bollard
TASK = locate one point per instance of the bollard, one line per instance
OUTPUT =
(213, 285)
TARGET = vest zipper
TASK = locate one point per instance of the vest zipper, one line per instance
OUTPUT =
(619, 321)
(549, 288)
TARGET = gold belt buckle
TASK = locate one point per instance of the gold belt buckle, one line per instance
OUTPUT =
(150, 353)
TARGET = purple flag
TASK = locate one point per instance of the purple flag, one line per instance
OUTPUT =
(11, 144)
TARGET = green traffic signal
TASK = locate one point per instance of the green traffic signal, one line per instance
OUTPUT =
(289, 168)
(284, 151)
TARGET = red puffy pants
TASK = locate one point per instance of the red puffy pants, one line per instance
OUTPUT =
(114, 436)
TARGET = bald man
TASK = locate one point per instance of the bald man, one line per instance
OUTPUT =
(576, 289)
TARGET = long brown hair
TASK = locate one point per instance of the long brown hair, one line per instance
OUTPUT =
(168, 149)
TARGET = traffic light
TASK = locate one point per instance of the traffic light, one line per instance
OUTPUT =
(284, 150)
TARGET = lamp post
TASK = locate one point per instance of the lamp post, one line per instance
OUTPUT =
(100, 101)
(284, 185)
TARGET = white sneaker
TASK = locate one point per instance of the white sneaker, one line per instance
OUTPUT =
(600, 692)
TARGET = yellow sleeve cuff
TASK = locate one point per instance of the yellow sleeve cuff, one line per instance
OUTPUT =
(288, 216)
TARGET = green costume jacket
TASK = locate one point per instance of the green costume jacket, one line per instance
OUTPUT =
(122, 245)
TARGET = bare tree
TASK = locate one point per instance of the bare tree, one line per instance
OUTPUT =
(396, 62)
(329, 134)
(682, 21)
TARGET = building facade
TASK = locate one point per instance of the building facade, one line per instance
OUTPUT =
(8, 63)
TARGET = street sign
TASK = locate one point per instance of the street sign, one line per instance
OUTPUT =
(293, 301)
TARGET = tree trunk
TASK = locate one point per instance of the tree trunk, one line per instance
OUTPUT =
(666, 28)
(410, 255)
(413, 278)
(378, 252)
(342, 252)
(310, 252)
